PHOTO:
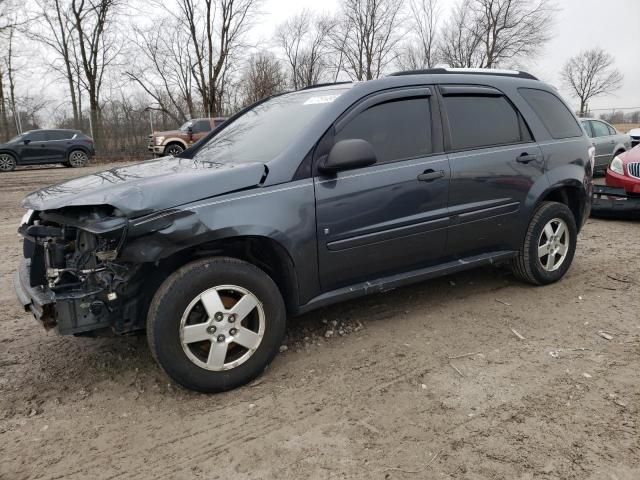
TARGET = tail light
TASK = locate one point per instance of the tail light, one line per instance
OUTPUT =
(592, 157)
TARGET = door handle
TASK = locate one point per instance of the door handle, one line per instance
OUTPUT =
(526, 158)
(430, 175)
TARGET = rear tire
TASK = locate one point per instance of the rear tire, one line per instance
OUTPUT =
(191, 332)
(549, 245)
(78, 158)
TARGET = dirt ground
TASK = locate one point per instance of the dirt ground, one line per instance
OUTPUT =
(429, 381)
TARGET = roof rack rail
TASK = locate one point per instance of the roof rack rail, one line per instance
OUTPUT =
(473, 71)
(318, 85)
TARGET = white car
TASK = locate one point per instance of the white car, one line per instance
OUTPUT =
(634, 133)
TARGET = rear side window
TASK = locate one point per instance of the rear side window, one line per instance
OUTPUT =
(555, 116)
(483, 121)
(600, 129)
(396, 130)
(60, 135)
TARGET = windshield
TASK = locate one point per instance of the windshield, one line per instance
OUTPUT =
(185, 126)
(16, 138)
(265, 131)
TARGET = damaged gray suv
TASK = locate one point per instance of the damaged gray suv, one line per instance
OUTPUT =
(306, 199)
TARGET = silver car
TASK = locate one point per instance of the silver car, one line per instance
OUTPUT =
(607, 140)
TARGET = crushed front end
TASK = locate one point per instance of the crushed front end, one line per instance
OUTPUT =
(71, 278)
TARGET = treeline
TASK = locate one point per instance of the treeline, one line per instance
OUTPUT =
(124, 65)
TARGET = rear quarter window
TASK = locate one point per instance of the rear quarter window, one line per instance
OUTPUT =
(554, 115)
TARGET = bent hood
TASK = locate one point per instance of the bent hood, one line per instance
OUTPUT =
(170, 133)
(150, 186)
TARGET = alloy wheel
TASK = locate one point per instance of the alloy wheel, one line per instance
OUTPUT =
(222, 327)
(78, 158)
(7, 162)
(173, 150)
(553, 244)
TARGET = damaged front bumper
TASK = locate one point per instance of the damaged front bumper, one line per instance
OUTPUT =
(68, 313)
(71, 279)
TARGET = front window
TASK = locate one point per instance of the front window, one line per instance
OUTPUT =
(185, 126)
(266, 130)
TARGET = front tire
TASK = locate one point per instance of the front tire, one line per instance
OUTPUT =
(173, 150)
(216, 324)
(549, 245)
(7, 162)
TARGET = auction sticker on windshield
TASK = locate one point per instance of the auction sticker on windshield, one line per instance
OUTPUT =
(321, 99)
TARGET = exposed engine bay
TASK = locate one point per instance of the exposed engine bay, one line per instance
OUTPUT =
(72, 256)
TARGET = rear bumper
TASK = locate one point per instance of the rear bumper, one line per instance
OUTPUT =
(611, 202)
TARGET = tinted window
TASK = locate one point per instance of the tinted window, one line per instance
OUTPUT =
(600, 129)
(37, 136)
(59, 135)
(396, 130)
(201, 126)
(266, 130)
(555, 116)
(477, 121)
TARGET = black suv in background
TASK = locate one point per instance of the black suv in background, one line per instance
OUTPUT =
(72, 148)
(306, 199)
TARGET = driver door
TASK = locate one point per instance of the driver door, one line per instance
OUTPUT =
(390, 217)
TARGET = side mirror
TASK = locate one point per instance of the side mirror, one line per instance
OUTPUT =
(347, 155)
(26, 141)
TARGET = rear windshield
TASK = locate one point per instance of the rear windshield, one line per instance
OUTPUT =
(555, 116)
(266, 130)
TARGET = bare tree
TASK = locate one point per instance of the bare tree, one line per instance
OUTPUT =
(304, 39)
(590, 74)
(421, 48)
(263, 77)
(493, 33)
(461, 40)
(54, 27)
(164, 69)
(96, 49)
(8, 86)
(216, 29)
(366, 37)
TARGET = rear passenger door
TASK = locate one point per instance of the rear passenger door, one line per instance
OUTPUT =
(390, 217)
(604, 141)
(494, 163)
(58, 143)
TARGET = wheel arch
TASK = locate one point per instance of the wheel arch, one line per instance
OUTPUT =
(73, 148)
(174, 140)
(261, 251)
(572, 194)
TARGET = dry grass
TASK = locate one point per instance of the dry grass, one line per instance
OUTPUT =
(625, 127)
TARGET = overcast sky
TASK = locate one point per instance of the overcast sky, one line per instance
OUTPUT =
(613, 25)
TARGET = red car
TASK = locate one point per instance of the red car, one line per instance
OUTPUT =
(620, 197)
(624, 172)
